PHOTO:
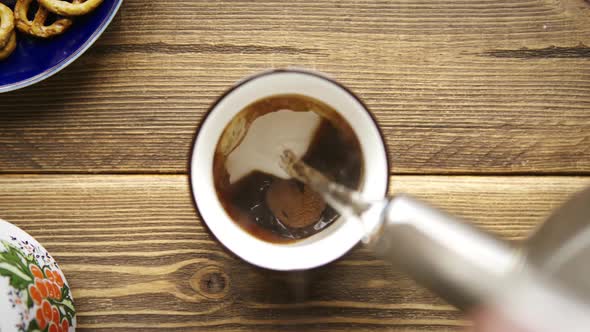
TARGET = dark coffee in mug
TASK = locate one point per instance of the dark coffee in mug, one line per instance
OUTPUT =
(276, 209)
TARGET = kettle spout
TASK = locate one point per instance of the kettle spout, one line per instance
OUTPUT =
(459, 262)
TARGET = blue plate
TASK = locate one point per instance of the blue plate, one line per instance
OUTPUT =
(37, 59)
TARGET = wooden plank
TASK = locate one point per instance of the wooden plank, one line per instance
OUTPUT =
(458, 87)
(137, 256)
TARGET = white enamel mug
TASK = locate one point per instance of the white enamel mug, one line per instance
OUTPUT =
(322, 247)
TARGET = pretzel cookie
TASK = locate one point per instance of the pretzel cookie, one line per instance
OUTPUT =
(6, 25)
(37, 26)
(9, 48)
(74, 8)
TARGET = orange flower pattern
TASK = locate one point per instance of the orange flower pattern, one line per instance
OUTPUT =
(38, 286)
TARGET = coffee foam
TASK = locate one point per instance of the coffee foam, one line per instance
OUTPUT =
(266, 139)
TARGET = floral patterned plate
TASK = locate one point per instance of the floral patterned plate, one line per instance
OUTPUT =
(34, 294)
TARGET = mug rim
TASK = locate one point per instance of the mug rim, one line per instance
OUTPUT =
(238, 84)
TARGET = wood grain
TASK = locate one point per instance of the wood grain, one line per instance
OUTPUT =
(138, 258)
(459, 87)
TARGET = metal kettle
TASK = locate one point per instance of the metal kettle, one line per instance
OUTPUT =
(542, 287)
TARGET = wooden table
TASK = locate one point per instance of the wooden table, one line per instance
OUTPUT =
(485, 105)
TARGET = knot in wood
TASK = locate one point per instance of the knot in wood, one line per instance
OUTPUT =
(211, 282)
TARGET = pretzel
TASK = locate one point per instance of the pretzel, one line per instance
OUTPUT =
(37, 26)
(10, 46)
(74, 8)
(6, 25)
